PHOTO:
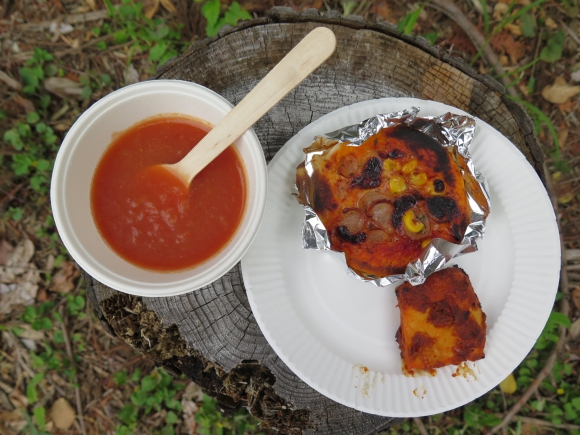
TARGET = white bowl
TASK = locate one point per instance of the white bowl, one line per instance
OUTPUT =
(80, 153)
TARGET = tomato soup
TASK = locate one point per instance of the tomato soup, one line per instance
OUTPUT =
(147, 216)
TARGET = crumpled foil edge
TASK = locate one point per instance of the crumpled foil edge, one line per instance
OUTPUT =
(453, 131)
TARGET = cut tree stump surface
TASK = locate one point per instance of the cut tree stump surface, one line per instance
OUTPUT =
(211, 335)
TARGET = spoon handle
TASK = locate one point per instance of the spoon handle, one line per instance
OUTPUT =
(302, 60)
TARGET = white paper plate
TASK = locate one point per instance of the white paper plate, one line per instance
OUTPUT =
(338, 334)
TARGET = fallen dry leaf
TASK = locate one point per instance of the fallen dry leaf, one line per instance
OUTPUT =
(6, 250)
(14, 84)
(11, 415)
(150, 11)
(167, 4)
(551, 23)
(18, 399)
(575, 329)
(505, 42)
(18, 278)
(563, 136)
(189, 409)
(509, 385)
(576, 297)
(60, 28)
(26, 104)
(63, 281)
(62, 414)
(560, 91)
(63, 87)
(499, 10)
(18, 262)
(131, 75)
(514, 29)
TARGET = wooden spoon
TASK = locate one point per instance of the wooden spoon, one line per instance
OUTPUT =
(302, 60)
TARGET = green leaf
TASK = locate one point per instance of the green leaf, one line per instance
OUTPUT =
(171, 418)
(128, 414)
(528, 25)
(157, 51)
(160, 33)
(138, 398)
(408, 22)
(32, 118)
(101, 45)
(576, 402)
(148, 383)
(37, 181)
(120, 37)
(554, 47)
(42, 165)
(86, 92)
(13, 138)
(211, 11)
(485, 10)
(21, 163)
(560, 319)
(31, 78)
(236, 13)
(39, 56)
(31, 393)
(120, 378)
(45, 101)
(50, 70)
(40, 417)
(58, 336)
(18, 330)
(168, 55)
(56, 316)
(3, 114)
(23, 130)
(539, 405)
(42, 323)
(171, 403)
(431, 37)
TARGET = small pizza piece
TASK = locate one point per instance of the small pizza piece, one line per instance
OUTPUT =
(383, 201)
(441, 322)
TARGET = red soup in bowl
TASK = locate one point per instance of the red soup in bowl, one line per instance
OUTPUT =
(147, 216)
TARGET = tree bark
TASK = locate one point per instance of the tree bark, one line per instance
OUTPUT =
(211, 335)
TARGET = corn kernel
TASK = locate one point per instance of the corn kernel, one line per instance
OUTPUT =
(425, 243)
(411, 223)
(409, 167)
(391, 165)
(418, 179)
(397, 184)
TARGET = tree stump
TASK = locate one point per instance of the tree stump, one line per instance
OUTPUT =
(211, 335)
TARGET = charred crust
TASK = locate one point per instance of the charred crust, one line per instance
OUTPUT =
(323, 196)
(442, 208)
(393, 154)
(402, 205)
(457, 233)
(421, 144)
(371, 175)
(344, 234)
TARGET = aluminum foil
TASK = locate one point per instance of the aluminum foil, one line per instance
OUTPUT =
(455, 132)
